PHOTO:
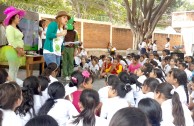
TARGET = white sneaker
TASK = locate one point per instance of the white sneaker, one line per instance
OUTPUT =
(67, 78)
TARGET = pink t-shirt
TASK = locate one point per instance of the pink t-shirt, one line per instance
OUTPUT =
(76, 96)
(133, 67)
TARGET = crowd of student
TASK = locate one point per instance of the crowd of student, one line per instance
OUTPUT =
(158, 90)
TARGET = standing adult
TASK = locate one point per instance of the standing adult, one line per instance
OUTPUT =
(54, 38)
(167, 46)
(69, 50)
(155, 48)
(14, 52)
(143, 46)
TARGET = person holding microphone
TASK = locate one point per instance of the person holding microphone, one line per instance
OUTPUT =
(54, 38)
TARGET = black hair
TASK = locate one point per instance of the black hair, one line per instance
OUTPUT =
(136, 57)
(154, 63)
(183, 64)
(77, 79)
(3, 75)
(177, 109)
(49, 69)
(133, 80)
(159, 74)
(9, 94)
(152, 109)
(148, 68)
(43, 81)
(168, 39)
(102, 56)
(110, 79)
(151, 83)
(30, 87)
(181, 77)
(85, 60)
(56, 90)
(120, 57)
(191, 58)
(129, 117)
(124, 77)
(90, 100)
(121, 89)
(43, 120)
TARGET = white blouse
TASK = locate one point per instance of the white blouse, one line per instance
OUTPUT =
(10, 118)
(111, 106)
(167, 46)
(62, 111)
(99, 122)
(167, 116)
(103, 93)
(182, 94)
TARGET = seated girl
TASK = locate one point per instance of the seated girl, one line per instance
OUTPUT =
(106, 67)
(116, 67)
(10, 99)
(173, 111)
(56, 106)
(116, 100)
(135, 64)
(81, 81)
(89, 102)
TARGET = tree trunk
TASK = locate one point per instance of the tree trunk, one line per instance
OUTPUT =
(137, 38)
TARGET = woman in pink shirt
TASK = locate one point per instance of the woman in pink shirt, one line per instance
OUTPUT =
(135, 64)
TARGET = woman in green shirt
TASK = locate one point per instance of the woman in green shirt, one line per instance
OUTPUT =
(13, 53)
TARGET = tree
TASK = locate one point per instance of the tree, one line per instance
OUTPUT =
(143, 16)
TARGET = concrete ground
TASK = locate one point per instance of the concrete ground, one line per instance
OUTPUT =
(98, 83)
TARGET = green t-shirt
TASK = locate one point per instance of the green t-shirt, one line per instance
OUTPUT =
(14, 37)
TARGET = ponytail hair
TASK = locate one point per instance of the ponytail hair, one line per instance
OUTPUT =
(56, 91)
(89, 100)
(177, 110)
(30, 87)
(49, 69)
(124, 77)
(76, 79)
(159, 74)
(121, 89)
(181, 77)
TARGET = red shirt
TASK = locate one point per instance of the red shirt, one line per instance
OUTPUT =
(76, 97)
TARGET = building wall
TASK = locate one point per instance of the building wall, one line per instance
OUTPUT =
(161, 40)
(122, 38)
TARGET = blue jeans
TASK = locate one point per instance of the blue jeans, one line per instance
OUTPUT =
(51, 58)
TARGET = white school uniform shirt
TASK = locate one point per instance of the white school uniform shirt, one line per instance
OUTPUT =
(45, 94)
(143, 45)
(182, 94)
(192, 96)
(154, 47)
(189, 73)
(141, 79)
(85, 66)
(167, 117)
(123, 64)
(130, 98)
(62, 111)
(147, 95)
(69, 90)
(98, 122)
(94, 69)
(10, 118)
(128, 61)
(77, 60)
(111, 106)
(137, 93)
(37, 105)
(103, 93)
(167, 46)
(100, 63)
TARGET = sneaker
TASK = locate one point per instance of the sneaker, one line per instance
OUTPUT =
(67, 78)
